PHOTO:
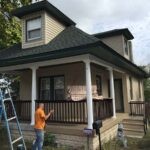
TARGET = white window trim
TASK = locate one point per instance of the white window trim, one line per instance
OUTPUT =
(27, 32)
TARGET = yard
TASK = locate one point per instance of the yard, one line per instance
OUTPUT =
(133, 143)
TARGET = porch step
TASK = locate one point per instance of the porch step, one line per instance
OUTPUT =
(134, 133)
(134, 127)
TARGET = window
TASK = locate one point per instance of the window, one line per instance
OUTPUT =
(33, 28)
(45, 89)
(139, 85)
(131, 89)
(99, 85)
(58, 88)
(52, 88)
(126, 47)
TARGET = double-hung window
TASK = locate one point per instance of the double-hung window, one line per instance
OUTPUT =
(33, 28)
(52, 88)
(99, 85)
(58, 88)
(45, 88)
(126, 47)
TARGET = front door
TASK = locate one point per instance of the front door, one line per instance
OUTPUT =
(119, 95)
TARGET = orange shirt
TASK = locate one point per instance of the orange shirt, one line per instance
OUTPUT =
(39, 119)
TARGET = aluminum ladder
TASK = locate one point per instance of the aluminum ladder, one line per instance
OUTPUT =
(4, 100)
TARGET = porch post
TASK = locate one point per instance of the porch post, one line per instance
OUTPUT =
(112, 91)
(89, 94)
(33, 95)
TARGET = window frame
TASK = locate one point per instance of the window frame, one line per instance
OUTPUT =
(126, 47)
(131, 88)
(99, 92)
(27, 32)
(40, 88)
(52, 90)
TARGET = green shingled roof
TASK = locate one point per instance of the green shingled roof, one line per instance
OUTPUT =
(70, 42)
(69, 38)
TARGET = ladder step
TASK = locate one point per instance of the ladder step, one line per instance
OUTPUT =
(11, 118)
(17, 139)
(7, 99)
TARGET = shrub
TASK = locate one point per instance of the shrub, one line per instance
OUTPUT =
(49, 139)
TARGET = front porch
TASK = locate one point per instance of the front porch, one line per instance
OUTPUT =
(80, 89)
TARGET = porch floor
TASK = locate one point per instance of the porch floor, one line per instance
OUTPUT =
(74, 129)
(77, 129)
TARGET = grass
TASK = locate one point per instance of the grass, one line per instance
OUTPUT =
(132, 144)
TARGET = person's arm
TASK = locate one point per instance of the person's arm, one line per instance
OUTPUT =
(49, 114)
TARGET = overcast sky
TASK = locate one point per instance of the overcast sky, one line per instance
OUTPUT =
(95, 16)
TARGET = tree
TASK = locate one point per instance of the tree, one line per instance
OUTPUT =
(146, 83)
(10, 26)
(10, 32)
(147, 89)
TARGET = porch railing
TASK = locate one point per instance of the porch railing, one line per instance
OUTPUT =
(140, 108)
(137, 108)
(102, 109)
(65, 111)
(23, 109)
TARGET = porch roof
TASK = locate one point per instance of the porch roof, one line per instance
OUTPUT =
(70, 42)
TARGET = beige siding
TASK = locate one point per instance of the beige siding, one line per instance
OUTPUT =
(104, 76)
(34, 43)
(74, 78)
(116, 43)
(52, 28)
(25, 85)
(135, 89)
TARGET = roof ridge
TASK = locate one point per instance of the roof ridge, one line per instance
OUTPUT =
(86, 34)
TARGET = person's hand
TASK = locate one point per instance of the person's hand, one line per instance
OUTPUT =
(52, 111)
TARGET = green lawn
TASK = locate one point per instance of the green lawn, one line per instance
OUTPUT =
(133, 143)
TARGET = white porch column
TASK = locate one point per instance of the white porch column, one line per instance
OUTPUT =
(33, 94)
(89, 94)
(112, 91)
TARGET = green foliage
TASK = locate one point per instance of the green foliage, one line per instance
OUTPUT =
(49, 139)
(10, 26)
(147, 89)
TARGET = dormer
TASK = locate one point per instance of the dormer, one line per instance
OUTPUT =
(119, 40)
(41, 22)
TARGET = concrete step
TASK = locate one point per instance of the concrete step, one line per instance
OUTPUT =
(133, 126)
(134, 133)
(134, 121)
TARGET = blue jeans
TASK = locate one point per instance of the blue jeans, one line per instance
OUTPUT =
(38, 144)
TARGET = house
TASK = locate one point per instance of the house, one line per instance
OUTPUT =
(83, 77)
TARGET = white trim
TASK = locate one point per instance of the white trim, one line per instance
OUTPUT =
(46, 63)
(112, 90)
(103, 63)
(33, 94)
(89, 93)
